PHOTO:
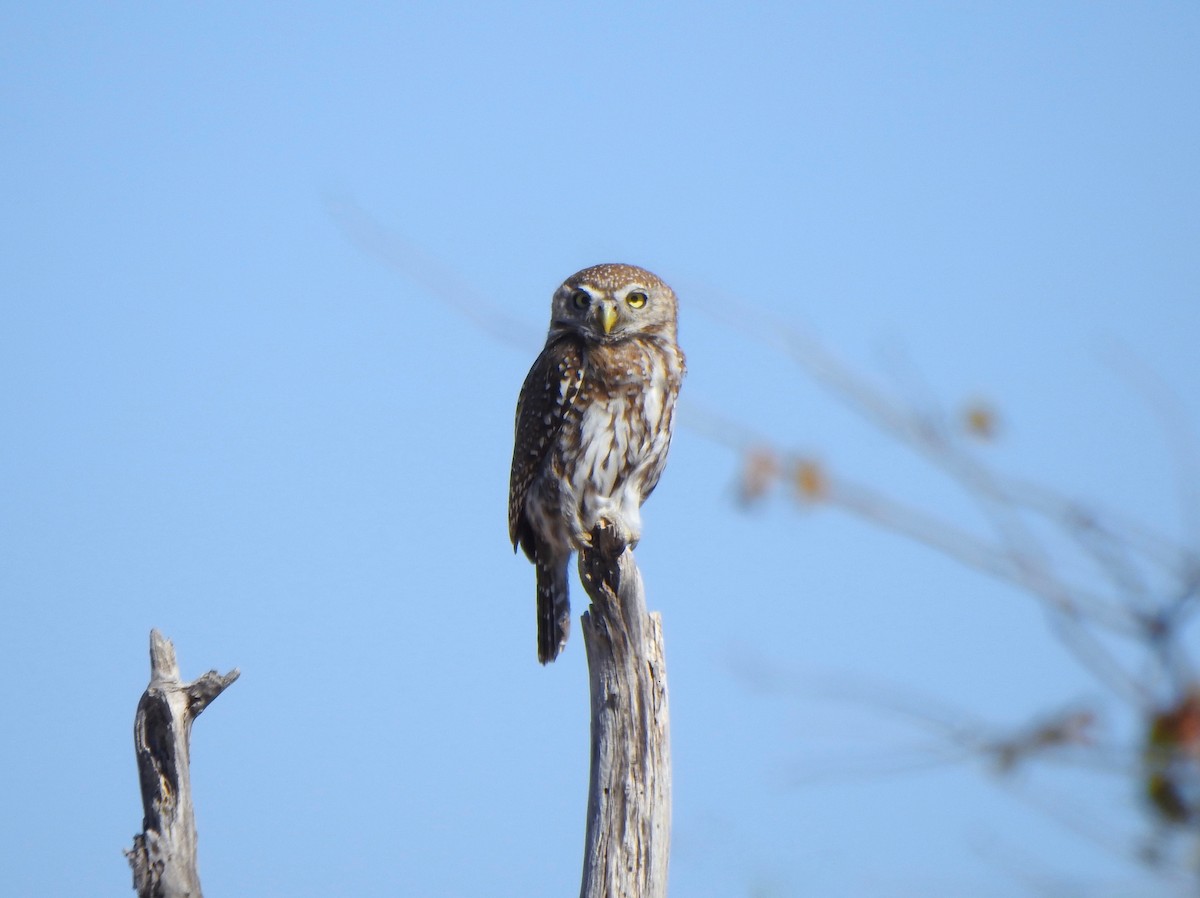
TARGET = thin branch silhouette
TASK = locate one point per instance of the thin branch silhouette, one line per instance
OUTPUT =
(1121, 610)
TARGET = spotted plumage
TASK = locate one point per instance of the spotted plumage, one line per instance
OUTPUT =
(594, 422)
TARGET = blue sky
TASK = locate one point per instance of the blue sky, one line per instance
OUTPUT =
(227, 419)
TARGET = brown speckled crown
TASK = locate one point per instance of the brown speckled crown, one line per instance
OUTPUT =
(611, 275)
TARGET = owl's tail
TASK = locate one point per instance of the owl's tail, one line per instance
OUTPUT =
(553, 608)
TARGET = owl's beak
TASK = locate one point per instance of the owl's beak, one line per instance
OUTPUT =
(607, 313)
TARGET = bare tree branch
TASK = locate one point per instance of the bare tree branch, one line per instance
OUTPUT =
(436, 279)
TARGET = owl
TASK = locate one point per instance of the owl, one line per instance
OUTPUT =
(594, 422)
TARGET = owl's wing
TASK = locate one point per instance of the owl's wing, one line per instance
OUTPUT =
(547, 396)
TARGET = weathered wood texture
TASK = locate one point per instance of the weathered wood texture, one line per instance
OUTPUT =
(163, 856)
(629, 795)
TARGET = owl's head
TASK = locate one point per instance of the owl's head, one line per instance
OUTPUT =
(610, 303)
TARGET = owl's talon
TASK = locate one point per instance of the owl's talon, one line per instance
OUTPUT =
(612, 536)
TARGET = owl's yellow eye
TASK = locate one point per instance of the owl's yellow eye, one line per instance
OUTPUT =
(636, 300)
(581, 299)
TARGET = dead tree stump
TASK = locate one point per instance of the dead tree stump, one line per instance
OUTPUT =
(629, 793)
(163, 856)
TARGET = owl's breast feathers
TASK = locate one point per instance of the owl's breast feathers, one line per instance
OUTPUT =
(628, 406)
(593, 420)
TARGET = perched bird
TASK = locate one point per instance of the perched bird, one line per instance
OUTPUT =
(593, 427)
